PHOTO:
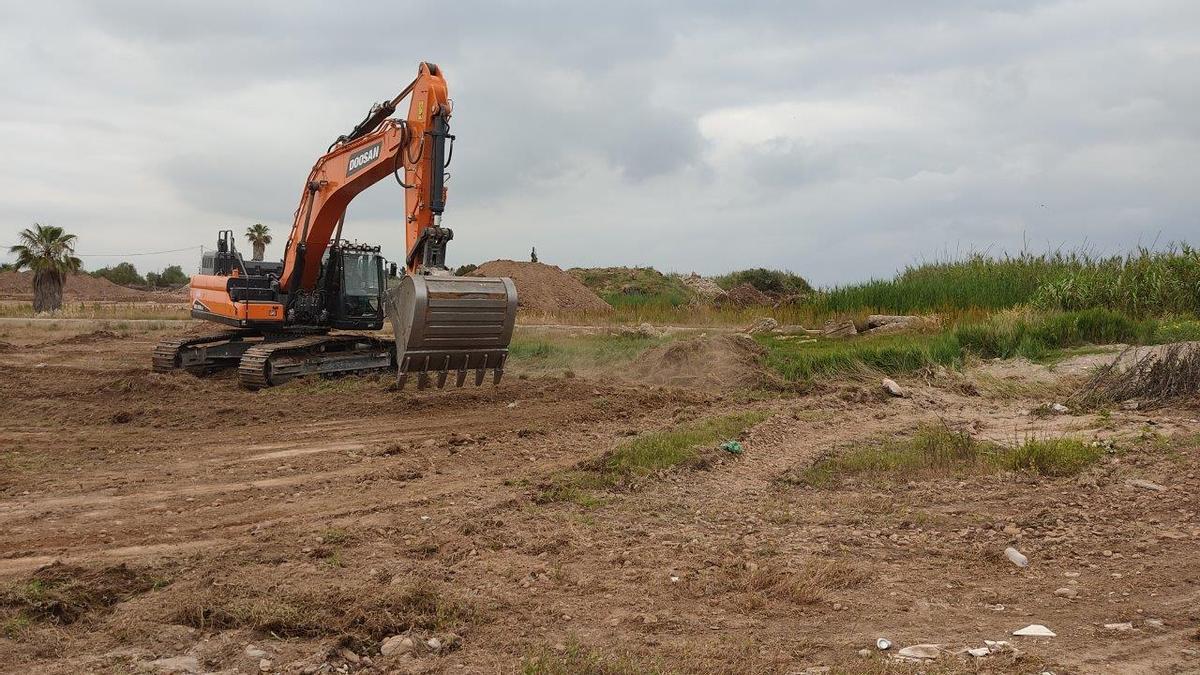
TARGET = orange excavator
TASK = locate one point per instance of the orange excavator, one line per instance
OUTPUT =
(302, 316)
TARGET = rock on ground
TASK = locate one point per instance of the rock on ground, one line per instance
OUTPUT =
(843, 328)
(762, 325)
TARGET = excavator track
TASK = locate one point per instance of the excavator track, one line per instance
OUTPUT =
(272, 363)
(191, 353)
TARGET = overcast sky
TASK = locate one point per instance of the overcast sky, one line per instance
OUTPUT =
(841, 140)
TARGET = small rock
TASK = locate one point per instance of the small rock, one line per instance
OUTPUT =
(1016, 557)
(1145, 484)
(883, 644)
(348, 655)
(1060, 408)
(254, 652)
(839, 329)
(864, 653)
(979, 652)
(397, 644)
(890, 386)
(1156, 623)
(920, 652)
(1126, 625)
(997, 646)
(177, 664)
(1035, 630)
(1066, 592)
(762, 325)
(264, 665)
(434, 643)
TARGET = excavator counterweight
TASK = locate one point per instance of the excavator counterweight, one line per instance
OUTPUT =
(283, 316)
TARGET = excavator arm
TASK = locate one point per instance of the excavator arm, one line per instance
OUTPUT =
(413, 150)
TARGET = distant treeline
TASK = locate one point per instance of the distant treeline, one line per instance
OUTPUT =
(126, 274)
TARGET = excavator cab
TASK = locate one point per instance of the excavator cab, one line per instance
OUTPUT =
(354, 284)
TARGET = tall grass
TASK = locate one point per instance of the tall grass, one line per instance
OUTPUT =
(890, 354)
(1030, 334)
(1142, 283)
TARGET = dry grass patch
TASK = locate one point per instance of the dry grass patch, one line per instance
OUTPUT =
(363, 615)
(807, 584)
(64, 594)
(576, 659)
(1152, 379)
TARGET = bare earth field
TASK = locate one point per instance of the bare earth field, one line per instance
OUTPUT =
(153, 523)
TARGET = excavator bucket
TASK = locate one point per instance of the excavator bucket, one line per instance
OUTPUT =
(447, 325)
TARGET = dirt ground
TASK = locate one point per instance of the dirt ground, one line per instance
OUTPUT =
(163, 523)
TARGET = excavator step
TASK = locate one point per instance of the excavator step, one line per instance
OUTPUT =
(201, 353)
(272, 363)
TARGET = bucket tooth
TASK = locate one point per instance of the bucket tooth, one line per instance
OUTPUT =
(442, 378)
(479, 376)
(496, 375)
(460, 377)
(423, 379)
(402, 374)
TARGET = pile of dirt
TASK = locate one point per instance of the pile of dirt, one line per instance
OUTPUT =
(544, 288)
(83, 338)
(705, 288)
(19, 286)
(721, 362)
(746, 295)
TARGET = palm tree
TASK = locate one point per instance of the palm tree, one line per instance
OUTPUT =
(50, 252)
(259, 236)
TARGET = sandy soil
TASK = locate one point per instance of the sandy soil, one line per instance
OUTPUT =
(545, 288)
(190, 526)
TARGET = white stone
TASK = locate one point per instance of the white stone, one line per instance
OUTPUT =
(1145, 484)
(979, 652)
(921, 651)
(1126, 625)
(1035, 630)
(1016, 557)
(890, 386)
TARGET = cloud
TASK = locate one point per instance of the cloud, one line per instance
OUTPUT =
(840, 141)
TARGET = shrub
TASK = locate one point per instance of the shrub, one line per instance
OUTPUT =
(780, 282)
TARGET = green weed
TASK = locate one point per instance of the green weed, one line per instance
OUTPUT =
(939, 450)
(642, 456)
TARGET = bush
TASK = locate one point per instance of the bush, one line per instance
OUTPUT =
(780, 282)
(464, 270)
(124, 274)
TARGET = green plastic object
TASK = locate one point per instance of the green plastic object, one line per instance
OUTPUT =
(732, 447)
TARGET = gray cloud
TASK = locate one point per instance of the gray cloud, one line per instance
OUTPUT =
(840, 141)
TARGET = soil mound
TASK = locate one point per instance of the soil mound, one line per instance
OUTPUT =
(19, 286)
(705, 288)
(544, 288)
(746, 295)
(83, 338)
(719, 362)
